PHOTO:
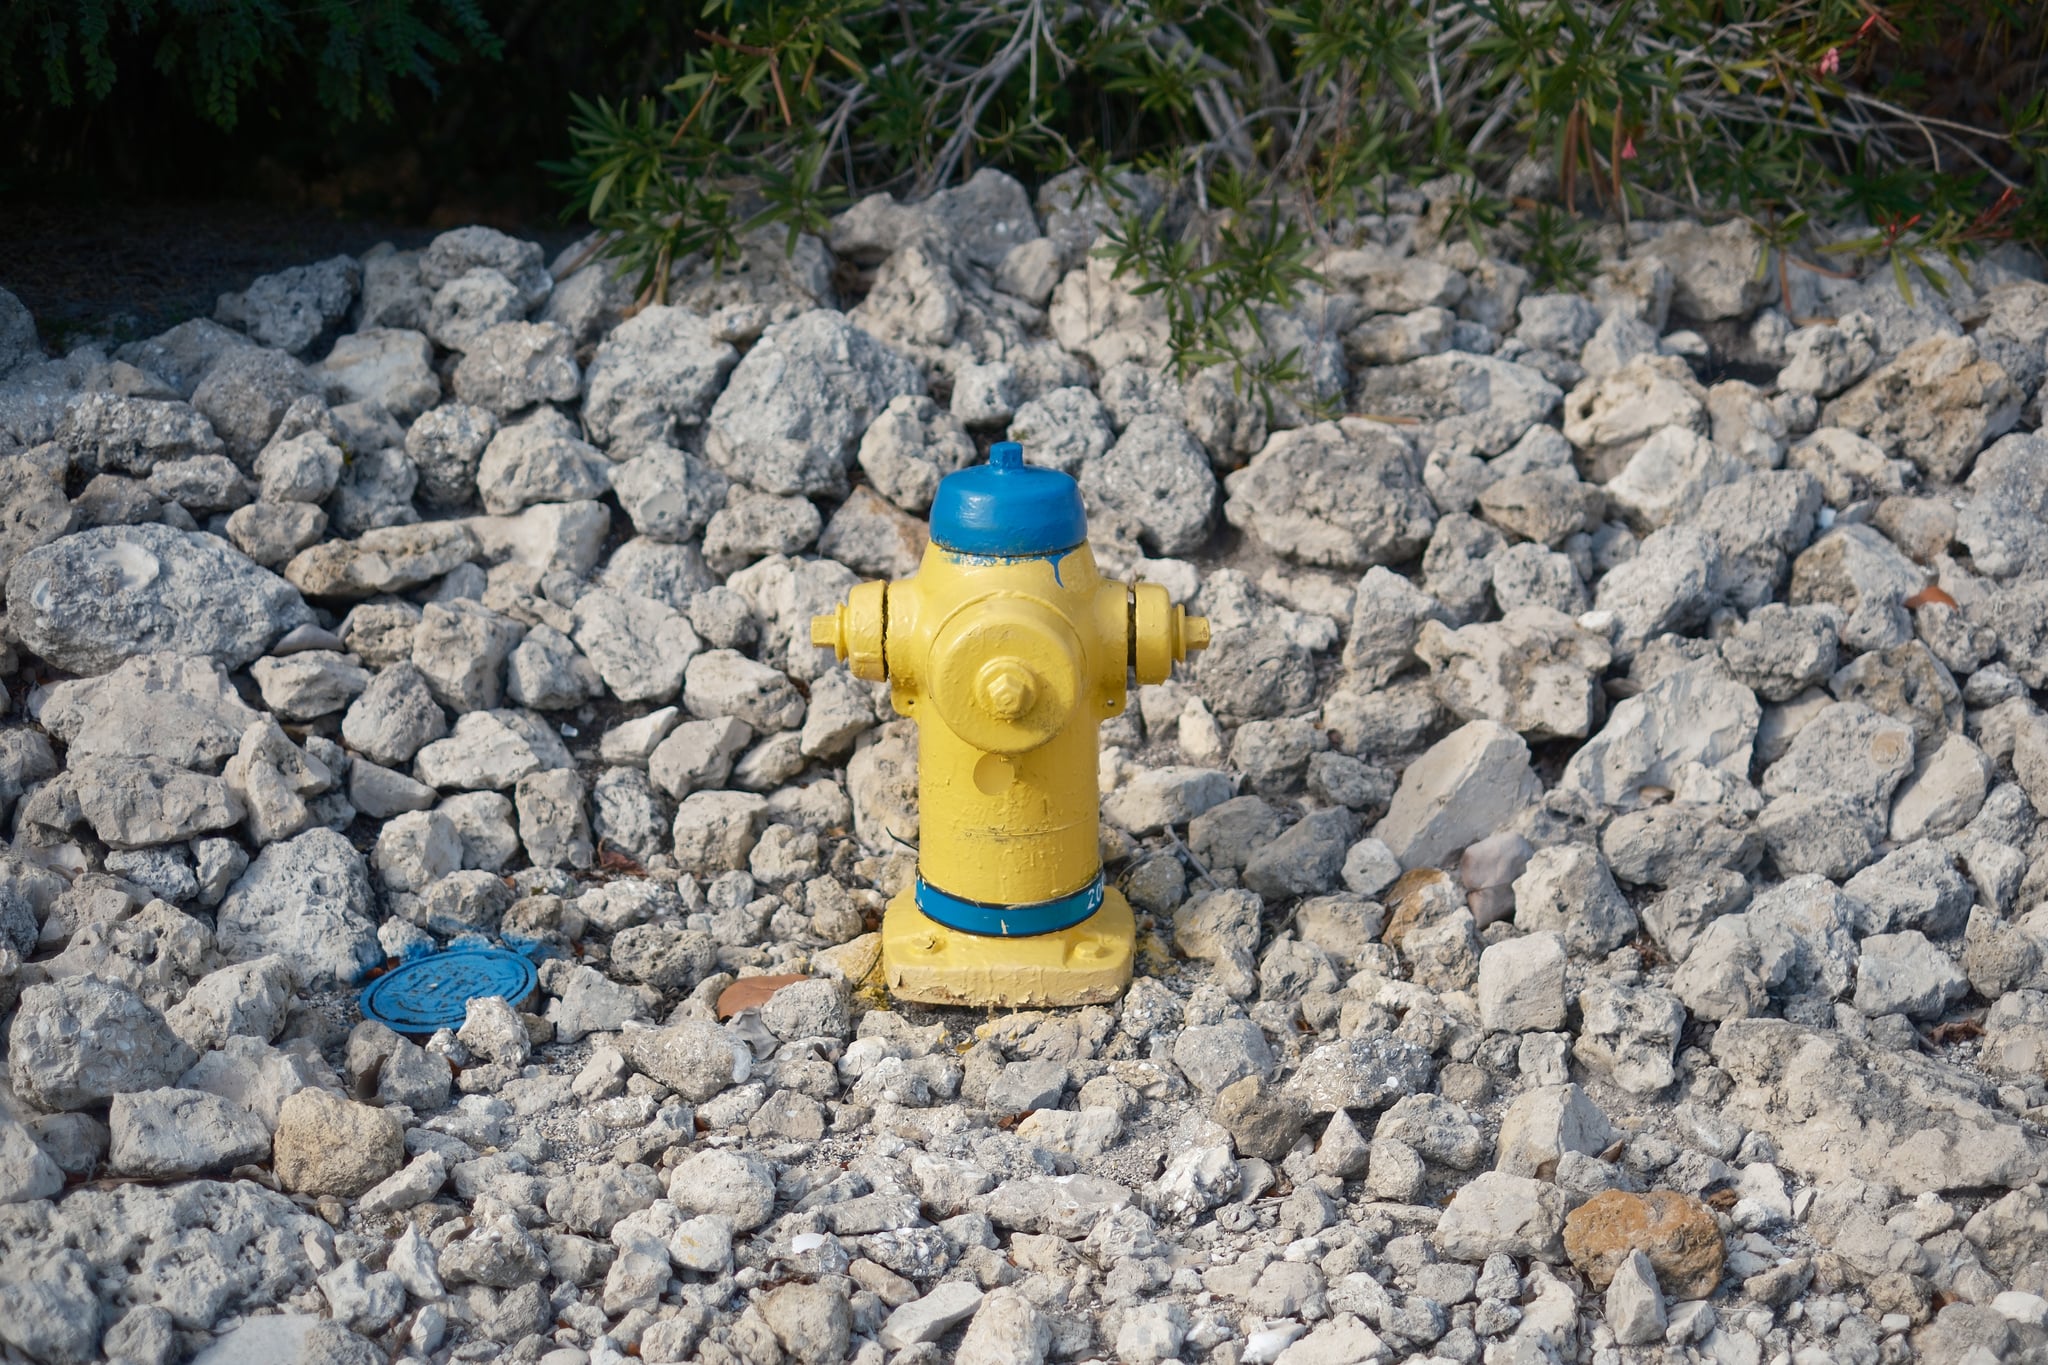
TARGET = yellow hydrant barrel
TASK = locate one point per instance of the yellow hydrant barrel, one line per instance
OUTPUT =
(1009, 650)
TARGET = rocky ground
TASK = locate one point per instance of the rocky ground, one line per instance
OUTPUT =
(1591, 891)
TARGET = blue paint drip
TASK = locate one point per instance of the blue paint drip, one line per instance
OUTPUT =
(1052, 557)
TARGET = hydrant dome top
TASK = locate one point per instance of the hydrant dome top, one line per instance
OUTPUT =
(1007, 508)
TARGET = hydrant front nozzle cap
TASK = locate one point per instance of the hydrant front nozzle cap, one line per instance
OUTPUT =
(1008, 509)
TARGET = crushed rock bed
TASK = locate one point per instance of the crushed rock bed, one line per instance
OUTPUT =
(1590, 892)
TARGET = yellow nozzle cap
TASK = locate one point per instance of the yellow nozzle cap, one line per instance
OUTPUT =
(1194, 631)
(827, 632)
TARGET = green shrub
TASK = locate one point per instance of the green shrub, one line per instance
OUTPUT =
(64, 52)
(1272, 123)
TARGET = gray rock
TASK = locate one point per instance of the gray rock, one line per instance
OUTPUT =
(725, 1183)
(1542, 1124)
(1466, 786)
(1916, 886)
(1716, 272)
(33, 510)
(291, 308)
(1365, 1072)
(446, 445)
(1838, 1110)
(469, 305)
(460, 649)
(1631, 1033)
(1903, 973)
(545, 672)
(714, 831)
(81, 1041)
(1156, 798)
(655, 376)
(394, 716)
(929, 1318)
(308, 685)
(1547, 506)
(1158, 477)
(1521, 984)
(87, 601)
(1634, 1303)
(639, 646)
(1668, 474)
(1007, 1329)
(182, 1133)
(1781, 651)
(1306, 860)
(514, 365)
(1535, 672)
(454, 253)
(1474, 402)
(789, 420)
(1695, 715)
(912, 444)
(162, 705)
(249, 999)
(1937, 405)
(26, 1171)
(870, 535)
(1497, 1214)
(1758, 524)
(246, 393)
(181, 356)
(1387, 615)
(132, 803)
(1256, 666)
(18, 344)
(1823, 359)
(752, 525)
(271, 533)
(1568, 890)
(539, 459)
(382, 560)
(698, 755)
(1858, 570)
(1668, 586)
(552, 825)
(668, 493)
(203, 485)
(308, 900)
(1343, 494)
(104, 432)
(390, 366)
(1214, 1056)
(1848, 751)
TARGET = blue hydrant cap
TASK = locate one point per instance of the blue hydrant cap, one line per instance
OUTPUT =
(1008, 508)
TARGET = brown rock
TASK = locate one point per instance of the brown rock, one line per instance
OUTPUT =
(751, 992)
(328, 1145)
(1419, 900)
(1678, 1234)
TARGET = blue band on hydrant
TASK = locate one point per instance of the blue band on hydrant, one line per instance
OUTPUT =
(1009, 921)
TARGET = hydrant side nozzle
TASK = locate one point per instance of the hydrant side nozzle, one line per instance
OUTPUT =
(1162, 633)
(828, 631)
(854, 633)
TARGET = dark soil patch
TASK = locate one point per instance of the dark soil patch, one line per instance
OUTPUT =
(130, 268)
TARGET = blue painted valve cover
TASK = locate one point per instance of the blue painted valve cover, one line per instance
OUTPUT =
(433, 992)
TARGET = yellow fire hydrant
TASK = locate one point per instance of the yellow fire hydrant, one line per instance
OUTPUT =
(1009, 650)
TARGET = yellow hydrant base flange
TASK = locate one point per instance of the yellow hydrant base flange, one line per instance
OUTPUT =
(926, 962)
